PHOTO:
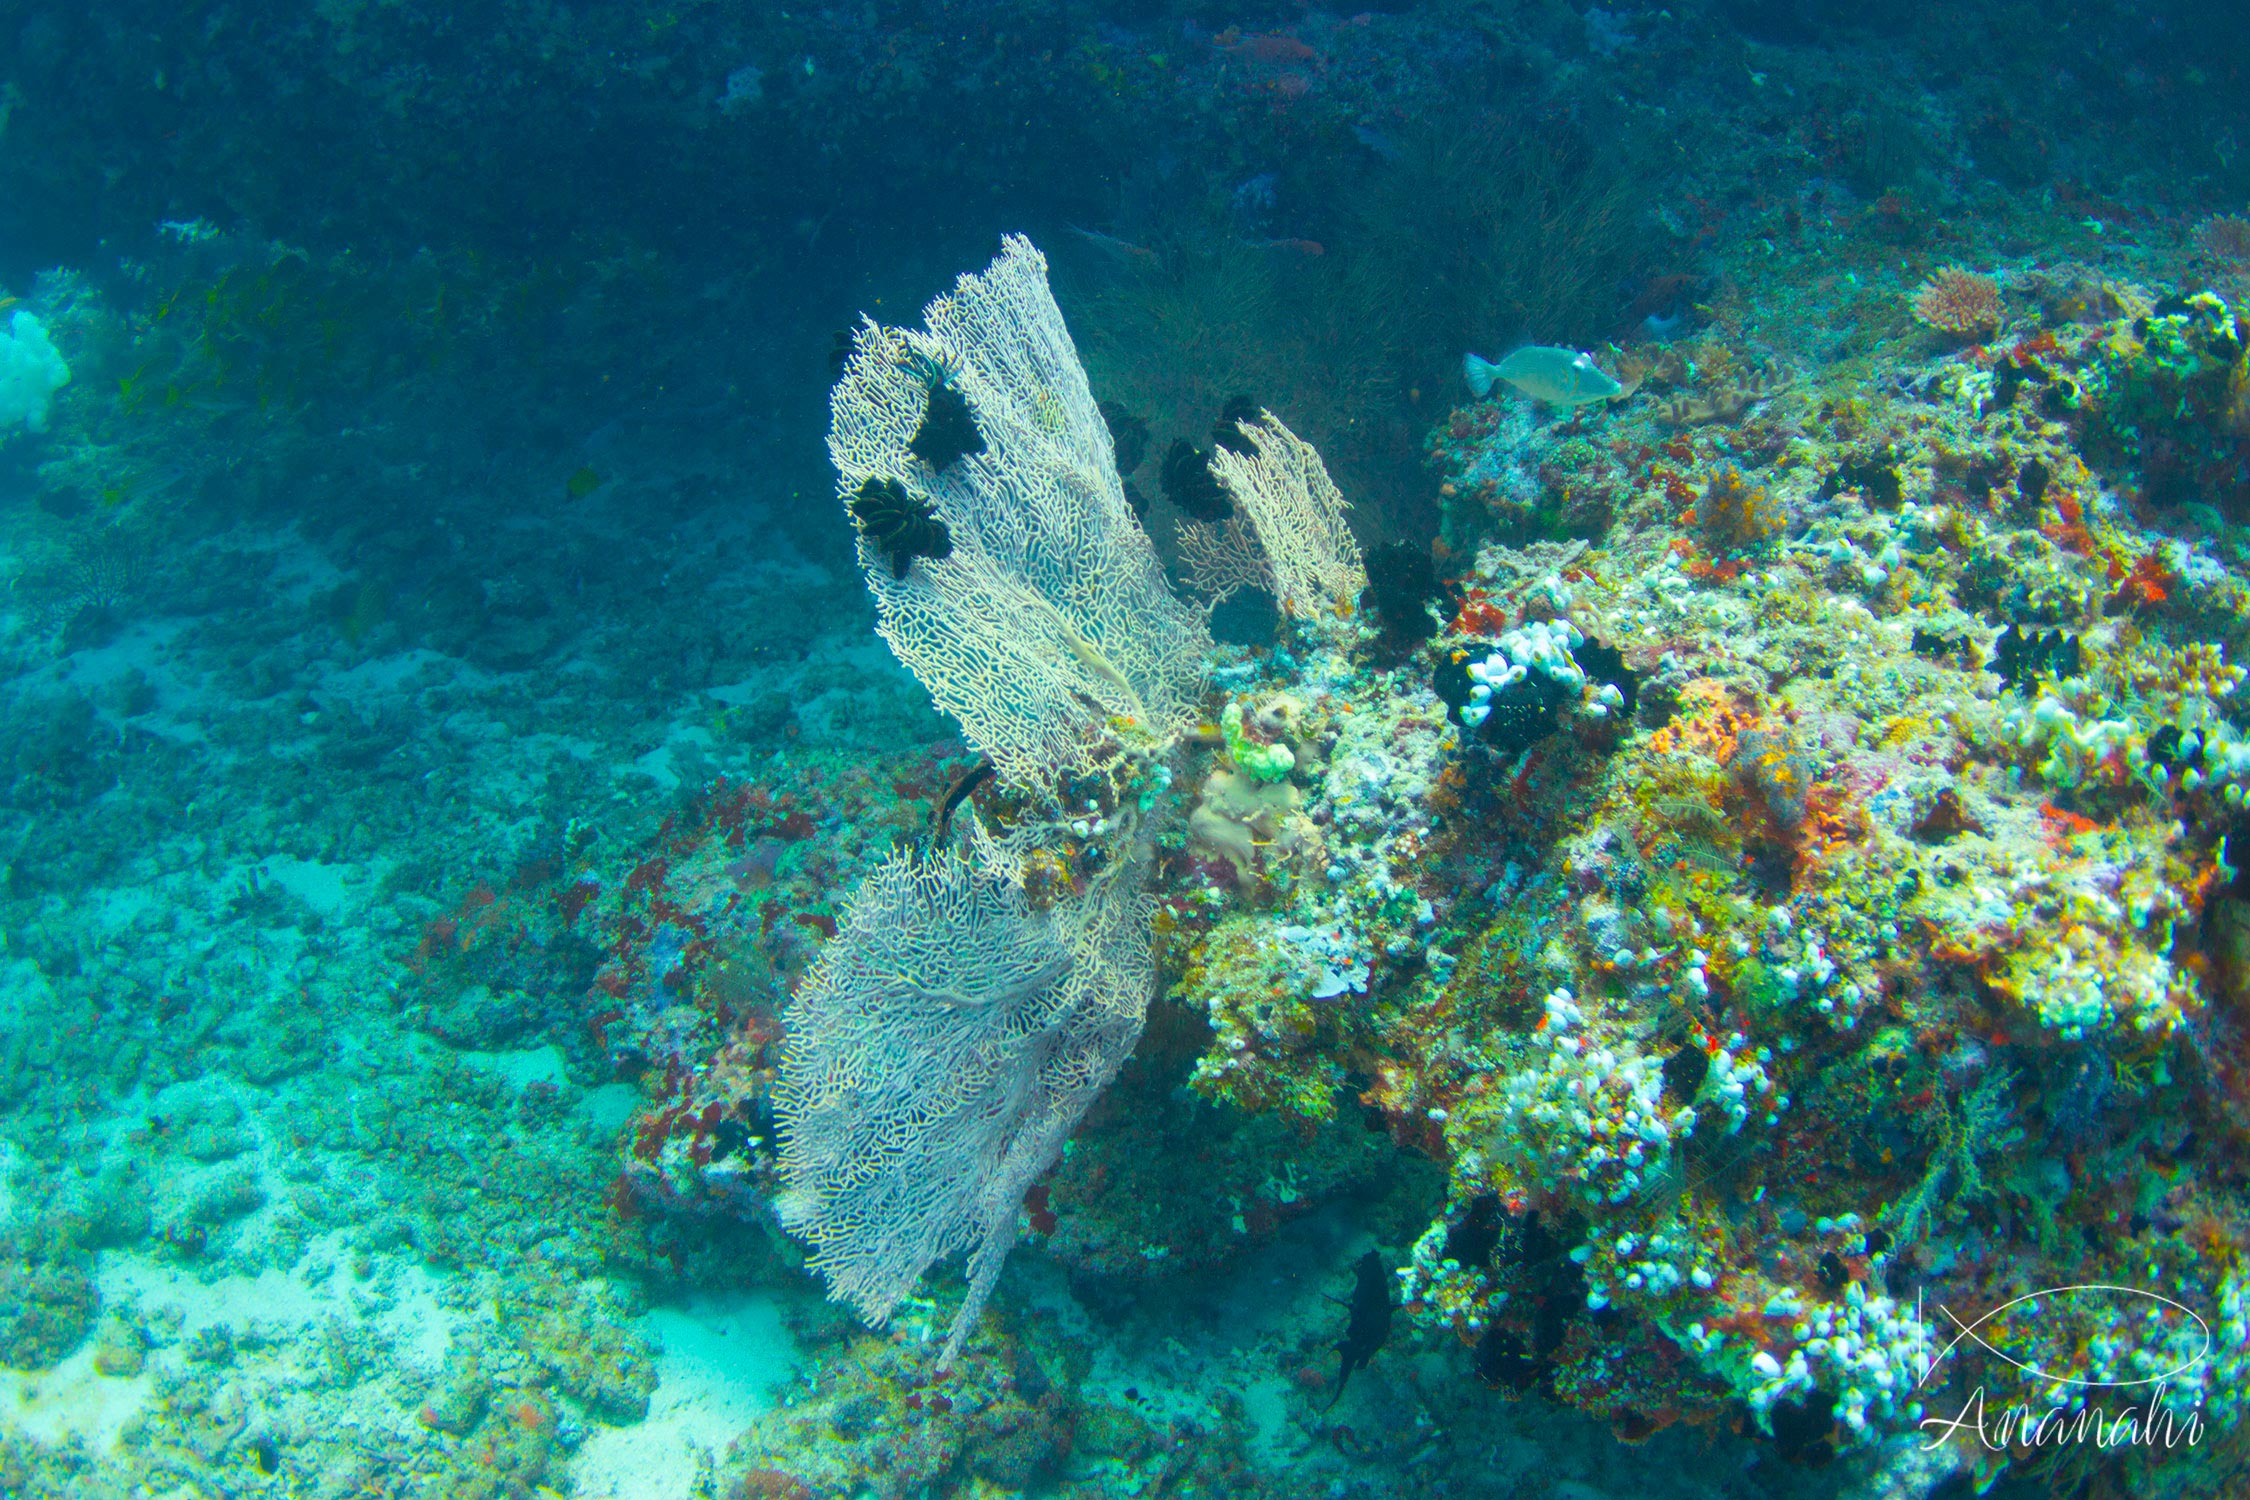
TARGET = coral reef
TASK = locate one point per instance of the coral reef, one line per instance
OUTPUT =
(1748, 874)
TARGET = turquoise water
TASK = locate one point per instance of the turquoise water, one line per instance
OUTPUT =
(861, 751)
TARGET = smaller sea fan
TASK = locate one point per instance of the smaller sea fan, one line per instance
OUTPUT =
(1958, 301)
(899, 526)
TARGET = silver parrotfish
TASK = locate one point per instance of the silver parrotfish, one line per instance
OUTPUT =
(1559, 377)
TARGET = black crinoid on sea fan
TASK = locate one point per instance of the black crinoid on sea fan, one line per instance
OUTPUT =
(1191, 486)
(948, 432)
(899, 526)
(1227, 431)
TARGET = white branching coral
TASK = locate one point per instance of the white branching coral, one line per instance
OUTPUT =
(938, 1055)
(1298, 514)
(1046, 629)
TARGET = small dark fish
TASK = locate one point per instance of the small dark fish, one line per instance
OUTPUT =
(1191, 486)
(967, 782)
(2031, 482)
(583, 483)
(1369, 1326)
(899, 526)
(948, 432)
(839, 352)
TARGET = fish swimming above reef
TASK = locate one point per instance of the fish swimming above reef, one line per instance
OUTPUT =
(1559, 377)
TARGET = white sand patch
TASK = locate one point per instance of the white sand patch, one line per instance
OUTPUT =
(403, 1303)
(73, 1400)
(393, 674)
(299, 572)
(610, 1106)
(722, 1360)
(606, 1107)
(331, 890)
(658, 765)
(276, 1318)
(184, 697)
(111, 909)
(522, 1067)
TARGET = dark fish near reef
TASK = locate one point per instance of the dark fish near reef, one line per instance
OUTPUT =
(967, 782)
(1369, 1326)
(899, 526)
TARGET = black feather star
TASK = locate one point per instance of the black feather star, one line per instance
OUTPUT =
(1128, 435)
(2022, 657)
(899, 526)
(948, 432)
(1401, 583)
(1227, 431)
(1191, 486)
